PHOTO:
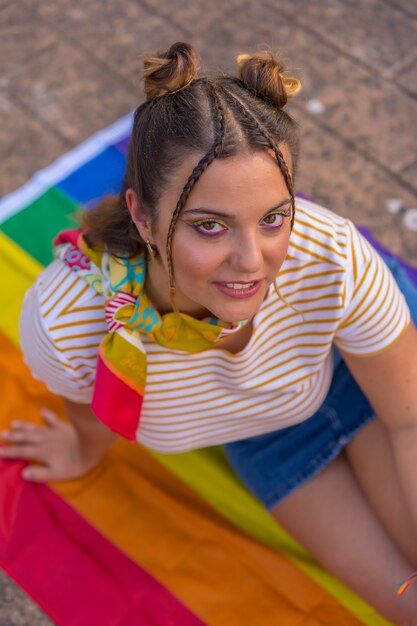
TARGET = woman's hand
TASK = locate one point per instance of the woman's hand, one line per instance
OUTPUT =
(63, 450)
(56, 447)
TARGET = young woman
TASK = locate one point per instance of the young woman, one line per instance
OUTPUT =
(207, 306)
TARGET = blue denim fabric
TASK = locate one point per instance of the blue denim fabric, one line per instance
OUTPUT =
(275, 464)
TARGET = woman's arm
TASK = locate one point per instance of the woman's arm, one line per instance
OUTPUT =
(94, 437)
(64, 450)
(389, 380)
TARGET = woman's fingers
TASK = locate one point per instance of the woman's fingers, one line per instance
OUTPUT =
(25, 441)
(37, 474)
(18, 425)
(24, 432)
(21, 432)
(54, 448)
(27, 452)
(29, 435)
(50, 417)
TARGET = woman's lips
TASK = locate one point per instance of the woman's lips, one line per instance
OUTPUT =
(239, 289)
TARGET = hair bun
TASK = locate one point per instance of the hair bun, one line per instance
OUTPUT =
(170, 70)
(263, 75)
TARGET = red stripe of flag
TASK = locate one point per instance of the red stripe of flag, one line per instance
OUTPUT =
(74, 573)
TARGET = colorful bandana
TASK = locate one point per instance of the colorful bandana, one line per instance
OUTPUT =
(121, 367)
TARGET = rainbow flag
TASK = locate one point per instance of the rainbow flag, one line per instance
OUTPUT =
(143, 539)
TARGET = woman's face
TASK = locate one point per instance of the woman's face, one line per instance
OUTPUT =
(230, 239)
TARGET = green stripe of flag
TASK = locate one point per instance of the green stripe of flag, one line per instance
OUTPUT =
(35, 227)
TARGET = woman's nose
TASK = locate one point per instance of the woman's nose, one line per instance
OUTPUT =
(247, 254)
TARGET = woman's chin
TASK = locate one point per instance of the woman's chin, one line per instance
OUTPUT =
(224, 307)
(236, 312)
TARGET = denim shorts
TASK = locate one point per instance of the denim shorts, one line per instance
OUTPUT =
(275, 464)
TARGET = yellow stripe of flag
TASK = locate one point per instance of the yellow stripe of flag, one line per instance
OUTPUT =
(18, 270)
(208, 473)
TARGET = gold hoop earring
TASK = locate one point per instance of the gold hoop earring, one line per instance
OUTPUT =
(151, 252)
(172, 294)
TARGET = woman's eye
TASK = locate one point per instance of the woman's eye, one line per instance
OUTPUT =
(274, 220)
(209, 227)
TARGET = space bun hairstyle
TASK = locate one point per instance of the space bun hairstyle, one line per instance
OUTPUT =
(263, 75)
(209, 118)
(170, 71)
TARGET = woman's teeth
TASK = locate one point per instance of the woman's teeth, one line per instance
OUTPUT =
(239, 285)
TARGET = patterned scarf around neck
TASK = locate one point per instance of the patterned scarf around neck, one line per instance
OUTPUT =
(121, 366)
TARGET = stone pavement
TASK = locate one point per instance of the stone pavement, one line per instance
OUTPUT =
(70, 67)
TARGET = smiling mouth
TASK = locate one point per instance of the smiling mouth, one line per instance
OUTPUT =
(240, 285)
(239, 289)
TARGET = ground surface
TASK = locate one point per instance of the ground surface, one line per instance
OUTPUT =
(70, 67)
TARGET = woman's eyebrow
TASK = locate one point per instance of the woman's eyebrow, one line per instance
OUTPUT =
(226, 215)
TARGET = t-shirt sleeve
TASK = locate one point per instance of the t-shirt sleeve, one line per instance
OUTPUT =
(375, 311)
(61, 326)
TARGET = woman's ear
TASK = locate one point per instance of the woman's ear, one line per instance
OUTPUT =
(140, 215)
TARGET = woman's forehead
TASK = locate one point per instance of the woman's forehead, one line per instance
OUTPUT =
(255, 173)
(249, 184)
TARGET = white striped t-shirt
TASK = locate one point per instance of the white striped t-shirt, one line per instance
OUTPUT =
(334, 288)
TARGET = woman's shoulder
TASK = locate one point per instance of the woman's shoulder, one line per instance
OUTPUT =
(62, 293)
(315, 212)
(318, 260)
(319, 234)
(61, 325)
(314, 222)
(65, 306)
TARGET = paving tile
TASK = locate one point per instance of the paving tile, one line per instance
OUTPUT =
(372, 31)
(359, 104)
(16, 609)
(196, 17)
(117, 35)
(72, 93)
(407, 76)
(22, 36)
(409, 173)
(120, 37)
(377, 118)
(406, 7)
(25, 146)
(221, 43)
(336, 176)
